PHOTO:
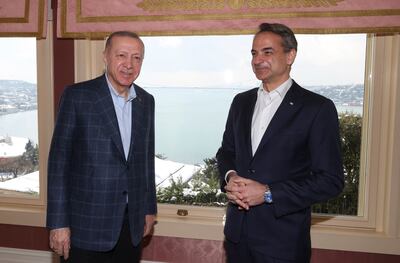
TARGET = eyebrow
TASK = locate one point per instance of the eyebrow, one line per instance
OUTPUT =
(267, 49)
(264, 49)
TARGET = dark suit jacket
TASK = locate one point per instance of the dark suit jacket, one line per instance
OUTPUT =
(88, 174)
(299, 157)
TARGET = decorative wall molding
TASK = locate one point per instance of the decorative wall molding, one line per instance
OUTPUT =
(94, 19)
(179, 5)
(23, 18)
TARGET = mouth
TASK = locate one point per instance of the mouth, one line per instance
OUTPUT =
(261, 67)
(126, 74)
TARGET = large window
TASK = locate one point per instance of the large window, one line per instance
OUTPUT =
(194, 80)
(26, 124)
(19, 150)
(375, 227)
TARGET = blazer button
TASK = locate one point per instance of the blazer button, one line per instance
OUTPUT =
(125, 192)
(252, 171)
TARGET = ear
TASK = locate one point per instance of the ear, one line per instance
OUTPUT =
(105, 57)
(290, 56)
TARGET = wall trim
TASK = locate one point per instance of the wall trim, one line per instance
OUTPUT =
(16, 255)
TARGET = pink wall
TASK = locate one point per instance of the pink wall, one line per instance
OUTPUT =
(179, 250)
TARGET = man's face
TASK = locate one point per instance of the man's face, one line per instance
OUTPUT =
(123, 59)
(270, 63)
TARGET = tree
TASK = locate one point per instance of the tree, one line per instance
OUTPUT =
(350, 134)
(31, 154)
(26, 163)
(203, 188)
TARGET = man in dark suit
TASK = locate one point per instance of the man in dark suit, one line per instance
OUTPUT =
(280, 154)
(101, 181)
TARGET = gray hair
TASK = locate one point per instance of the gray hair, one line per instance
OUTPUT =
(122, 34)
(289, 41)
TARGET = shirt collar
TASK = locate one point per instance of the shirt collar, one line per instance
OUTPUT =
(281, 90)
(131, 94)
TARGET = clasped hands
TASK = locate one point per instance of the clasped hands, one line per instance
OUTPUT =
(244, 192)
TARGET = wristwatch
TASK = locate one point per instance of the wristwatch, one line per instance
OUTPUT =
(268, 196)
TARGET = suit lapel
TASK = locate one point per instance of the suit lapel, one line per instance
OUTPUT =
(290, 105)
(248, 117)
(105, 106)
(137, 121)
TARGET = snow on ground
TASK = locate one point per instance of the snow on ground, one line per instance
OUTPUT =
(24, 183)
(164, 169)
(12, 146)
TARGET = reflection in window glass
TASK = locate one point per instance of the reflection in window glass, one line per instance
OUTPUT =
(19, 159)
(194, 80)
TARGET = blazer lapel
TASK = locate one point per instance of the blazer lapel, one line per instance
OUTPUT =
(247, 119)
(138, 121)
(105, 106)
(290, 105)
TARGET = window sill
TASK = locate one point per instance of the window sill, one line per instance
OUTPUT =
(337, 233)
(26, 215)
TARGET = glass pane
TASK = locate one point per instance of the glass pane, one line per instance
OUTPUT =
(334, 66)
(19, 159)
(194, 80)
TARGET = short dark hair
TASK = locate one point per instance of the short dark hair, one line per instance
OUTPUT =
(122, 34)
(289, 41)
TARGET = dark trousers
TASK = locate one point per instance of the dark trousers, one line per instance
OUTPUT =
(123, 252)
(243, 253)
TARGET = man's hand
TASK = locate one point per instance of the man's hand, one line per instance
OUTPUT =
(234, 189)
(60, 241)
(244, 192)
(252, 192)
(148, 224)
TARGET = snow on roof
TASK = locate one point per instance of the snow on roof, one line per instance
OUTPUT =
(12, 146)
(164, 169)
(23, 183)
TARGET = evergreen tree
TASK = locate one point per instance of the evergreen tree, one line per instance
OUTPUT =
(204, 189)
(350, 134)
(31, 153)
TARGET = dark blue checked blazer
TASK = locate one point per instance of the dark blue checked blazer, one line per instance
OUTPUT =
(88, 174)
(299, 157)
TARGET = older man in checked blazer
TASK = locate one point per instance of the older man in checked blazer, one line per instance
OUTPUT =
(101, 189)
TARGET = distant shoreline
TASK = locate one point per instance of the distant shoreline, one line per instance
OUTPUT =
(17, 111)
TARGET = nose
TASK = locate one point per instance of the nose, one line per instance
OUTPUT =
(128, 63)
(256, 59)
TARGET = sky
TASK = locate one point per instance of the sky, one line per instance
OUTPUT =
(215, 61)
(18, 59)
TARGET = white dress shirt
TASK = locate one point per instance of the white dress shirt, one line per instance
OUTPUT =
(266, 105)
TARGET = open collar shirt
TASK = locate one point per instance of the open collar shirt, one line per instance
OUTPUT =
(123, 111)
(266, 106)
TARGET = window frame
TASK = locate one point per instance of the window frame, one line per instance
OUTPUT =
(375, 228)
(21, 209)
